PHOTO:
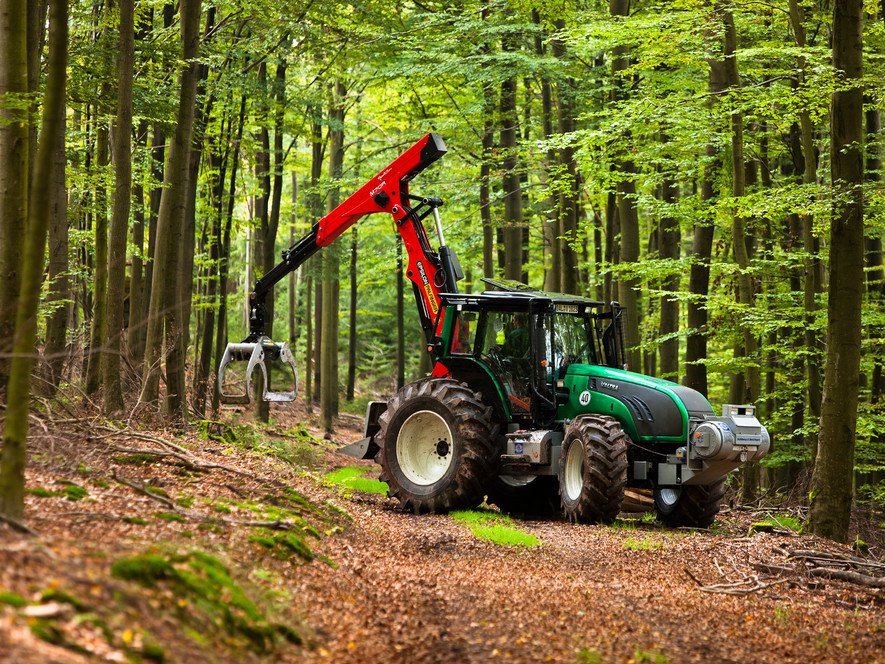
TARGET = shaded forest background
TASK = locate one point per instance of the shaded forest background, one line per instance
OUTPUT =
(675, 157)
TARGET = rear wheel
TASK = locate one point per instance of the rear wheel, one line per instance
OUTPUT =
(690, 506)
(528, 495)
(438, 446)
(593, 469)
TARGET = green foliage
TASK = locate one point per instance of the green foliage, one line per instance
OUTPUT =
(495, 528)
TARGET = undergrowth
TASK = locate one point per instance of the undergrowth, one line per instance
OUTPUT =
(495, 528)
(209, 600)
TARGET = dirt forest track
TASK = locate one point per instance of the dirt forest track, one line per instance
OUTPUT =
(403, 588)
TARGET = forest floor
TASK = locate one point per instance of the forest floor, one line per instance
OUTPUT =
(234, 543)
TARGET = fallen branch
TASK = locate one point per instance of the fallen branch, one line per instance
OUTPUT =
(15, 524)
(142, 490)
(848, 575)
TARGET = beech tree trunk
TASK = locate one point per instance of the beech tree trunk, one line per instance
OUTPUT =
(97, 327)
(832, 479)
(15, 201)
(122, 146)
(509, 130)
(164, 311)
(568, 209)
(669, 249)
(331, 257)
(701, 250)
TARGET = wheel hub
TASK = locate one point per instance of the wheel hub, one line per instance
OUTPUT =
(574, 471)
(424, 447)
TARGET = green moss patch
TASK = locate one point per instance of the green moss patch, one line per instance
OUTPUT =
(283, 545)
(170, 516)
(12, 599)
(209, 600)
(353, 477)
(495, 528)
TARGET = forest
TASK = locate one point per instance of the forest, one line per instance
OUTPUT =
(696, 162)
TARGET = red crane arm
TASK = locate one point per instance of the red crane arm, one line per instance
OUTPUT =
(387, 192)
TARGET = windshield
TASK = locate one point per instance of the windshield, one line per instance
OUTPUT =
(569, 341)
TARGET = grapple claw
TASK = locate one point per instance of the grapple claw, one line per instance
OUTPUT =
(265, 355)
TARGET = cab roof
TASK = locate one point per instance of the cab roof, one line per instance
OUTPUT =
(515, 295)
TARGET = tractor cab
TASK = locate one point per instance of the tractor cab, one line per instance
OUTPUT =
(517, 344)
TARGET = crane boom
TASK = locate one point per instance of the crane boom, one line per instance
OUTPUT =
(431, 272)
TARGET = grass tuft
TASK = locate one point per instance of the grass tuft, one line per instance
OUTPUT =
(495, 528)
(353, 477)
(644, 544)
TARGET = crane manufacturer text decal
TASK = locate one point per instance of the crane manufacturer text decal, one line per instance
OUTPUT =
(425, 282)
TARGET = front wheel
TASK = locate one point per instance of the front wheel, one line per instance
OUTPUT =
(593, 469)
(438, 446)
(694, 506)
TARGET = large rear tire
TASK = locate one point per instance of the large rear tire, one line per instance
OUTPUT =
(593, 469)
(438, 446)
(692, 506)
(527, 495)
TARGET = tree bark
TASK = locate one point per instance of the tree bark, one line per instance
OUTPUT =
(59, 281)
(669, 250)
(122, 147)
(832, 479)
(331, 257)
(811, 244)
(15, 201)
(509, 129)
(164, 309)
(351, 319)
(702, 247)
(97, 327)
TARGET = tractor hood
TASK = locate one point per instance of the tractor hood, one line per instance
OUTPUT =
(649, 408)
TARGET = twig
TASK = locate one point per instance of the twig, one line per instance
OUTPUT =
(142, 490)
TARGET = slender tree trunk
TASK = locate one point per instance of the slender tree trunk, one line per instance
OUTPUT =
(485, 168)
(331, 257)
(875, 284)
(100, 274)
(122, 145)
(158, 165)
(294, 277)
(351, 331)
(59, 281)
(669, 250)
(164, 309)
(569, 198)
(813, 277)
(224, 255)
(628, 216)
(832, 479)
(702, 247)
(12, 71)
(509, 129)
(136, 281)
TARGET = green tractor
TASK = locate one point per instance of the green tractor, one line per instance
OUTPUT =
(530, 406)
(529, 403)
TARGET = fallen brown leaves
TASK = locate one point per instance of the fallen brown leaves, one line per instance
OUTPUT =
(407, 588)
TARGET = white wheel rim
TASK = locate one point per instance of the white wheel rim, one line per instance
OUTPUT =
(574, 471)
(668, 496)
(424, 447)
